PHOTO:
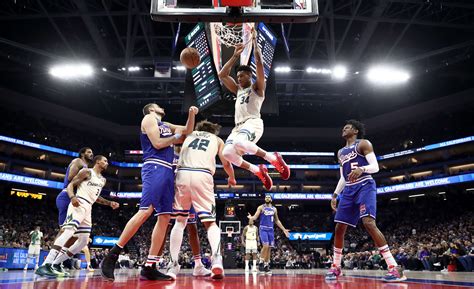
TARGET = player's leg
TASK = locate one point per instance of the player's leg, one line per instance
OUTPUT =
(347, 214)
(132, 226)
(254, 261)
(367, 201)
(202, 195)
(163, 188)
(162, 249)
(87, 254)
(271, 241)
(28, 259)
(199, 269)
(247, 260)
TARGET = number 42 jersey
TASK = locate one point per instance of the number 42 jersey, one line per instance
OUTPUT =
(199, 151)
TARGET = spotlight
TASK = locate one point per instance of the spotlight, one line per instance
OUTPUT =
(283, 69)
(72, 70)
(318, 70)
(339, 72)
(180, 68)
(104, 69)
(133, 68)
(387, 75)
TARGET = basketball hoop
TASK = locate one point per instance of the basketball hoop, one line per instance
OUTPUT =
(233, 34)
(229, 234)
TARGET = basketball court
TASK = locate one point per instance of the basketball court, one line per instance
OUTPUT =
(280, 279)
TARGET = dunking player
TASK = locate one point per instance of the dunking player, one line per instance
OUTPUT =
(248, 123)
(269, 215)
(89, 184)
(34, 248)
(195, 186)
(191, 227)
(249, 241)
(357, 191)
(157, 139)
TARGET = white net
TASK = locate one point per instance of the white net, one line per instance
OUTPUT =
(233, 34)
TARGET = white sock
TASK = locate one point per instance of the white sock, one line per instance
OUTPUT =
(246, 146)
(151, 259)
(337, 256)
(51, 256)
(269, 157)
(176, 238)
(254, 169)
(246, 263)
(27, 261)
(254, 263)
(37, 260)
(214, 237)
(388, 257)
(197, 261)
(63, 256)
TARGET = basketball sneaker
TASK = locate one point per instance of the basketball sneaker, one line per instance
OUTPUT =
(217, 269)
(264, 177)
(254, 269)
(201, 271)
(281, 166)
(395, 274)
(261, 267)
(59, 271)
(333, 273)
(108, 266)
(45, 270)
(152, 274)
(173, 270)
(267, 270)
(247, 269)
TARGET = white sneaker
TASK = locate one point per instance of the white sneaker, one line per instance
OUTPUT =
(25, 269)
(173, 270)
(254, 269)
(90, 269)
(444, 270)
(217, 268)
(201, 271)
(247, 269)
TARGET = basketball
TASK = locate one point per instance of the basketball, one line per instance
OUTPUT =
(190, 57)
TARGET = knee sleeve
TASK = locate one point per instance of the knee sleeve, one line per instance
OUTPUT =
(244, 145)
(231, 155)
(65, 236)
(180, 223)
(80, 243)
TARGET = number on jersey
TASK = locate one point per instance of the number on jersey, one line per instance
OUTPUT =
(244, 99)
(199, 144)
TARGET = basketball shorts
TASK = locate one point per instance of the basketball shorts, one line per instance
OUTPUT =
(267, 236)
(251, 247)
(158, 188)
(34, 250)
(195, 187)
(251, 128)
(356, 202)
(62, 203)
(79, 218)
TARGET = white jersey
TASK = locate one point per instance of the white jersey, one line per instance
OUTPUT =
(251, 234)
(36, 237)
(199, 151)
(247, 104)
(89, 190)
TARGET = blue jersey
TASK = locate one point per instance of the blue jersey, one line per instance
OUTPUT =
(162, 156)
(66, 177)
(267, 217)
(350, 158)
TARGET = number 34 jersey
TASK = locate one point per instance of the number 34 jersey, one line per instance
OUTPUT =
(89, 190)
(199, 151)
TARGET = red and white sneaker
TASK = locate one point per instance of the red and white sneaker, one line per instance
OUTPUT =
(281, 166)
(395, 274)
(264, 177)
(333, 273)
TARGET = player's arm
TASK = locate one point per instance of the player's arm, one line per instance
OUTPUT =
(224, 74)
(243, 235)
(226, 164)
(83, 175)
(257, 213)
(151, 129)
(366, 148)
(257, 54)
(280, 225)
(105, 202)
(341, 184)
(74, 168)
(189, 127)
(257, 237)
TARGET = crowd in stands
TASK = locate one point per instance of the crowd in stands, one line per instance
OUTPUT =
(424, 234)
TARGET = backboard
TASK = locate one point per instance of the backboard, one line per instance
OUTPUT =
(267, 11)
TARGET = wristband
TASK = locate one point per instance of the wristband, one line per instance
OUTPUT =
(177, 136)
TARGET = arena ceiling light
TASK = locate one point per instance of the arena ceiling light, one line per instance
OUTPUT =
(134, 68)
(387, 75)
(318, 70)
(72, 71)
(283, 69)
(179, 68)
(339, 72)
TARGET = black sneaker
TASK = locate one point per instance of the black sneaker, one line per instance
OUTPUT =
(267, 270)
(151, 273)
(45, 270)
(261, 267)
(59, 270)
(108, 266)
